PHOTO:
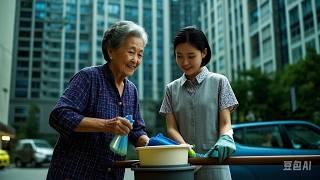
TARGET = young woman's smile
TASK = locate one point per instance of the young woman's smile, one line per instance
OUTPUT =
(189, 59)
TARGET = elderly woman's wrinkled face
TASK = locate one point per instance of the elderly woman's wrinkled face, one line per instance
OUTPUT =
(128, 56)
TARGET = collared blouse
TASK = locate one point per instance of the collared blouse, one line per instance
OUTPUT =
(227, 98)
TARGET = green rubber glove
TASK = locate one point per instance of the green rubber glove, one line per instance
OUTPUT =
(223, 148)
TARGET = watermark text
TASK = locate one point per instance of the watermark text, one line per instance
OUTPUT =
(296, 165)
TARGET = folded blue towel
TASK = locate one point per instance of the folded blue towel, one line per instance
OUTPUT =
(160, 139)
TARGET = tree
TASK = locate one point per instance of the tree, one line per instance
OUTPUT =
(268, 95)
(30, 128)
(252, 91)
(305, 77)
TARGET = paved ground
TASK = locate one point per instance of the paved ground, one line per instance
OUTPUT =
(13, 173)
(129, 175)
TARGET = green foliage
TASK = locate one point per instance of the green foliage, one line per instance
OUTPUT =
(267, 96)
(155, 123)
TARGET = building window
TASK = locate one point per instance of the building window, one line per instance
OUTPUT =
(311, 44)
(19, 119)
(24, 44)
(296, 54)
(69, 56)
(307, 17)
(131, 13)
(114, 10)
(255, 47)
(35, 84)
(40, 15)
(268, 67)
(266, 32)
(318, 12)
(294, 24)
(23, 53)
(35, 74)
(221, 64)
(35, 94)
(21, 83)
(84, 36)
(23, 64)
(36, 53)
(84, 56)
(25, 34)
(21, 93)
(70, 36)
(36, 64)
(85, 9)
(253, 12)
(37, 44)
(25, 24)
(84, 46)
(220, 27)
(219, 11)
(70, 46)
(39, 25)
(265, 11)
(100, 8)
(221, 43)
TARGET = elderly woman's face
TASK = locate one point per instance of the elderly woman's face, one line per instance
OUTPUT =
(128, 56)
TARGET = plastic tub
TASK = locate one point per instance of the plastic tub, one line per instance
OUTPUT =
(167, 155)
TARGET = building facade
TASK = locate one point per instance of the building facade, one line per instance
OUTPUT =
(182, 13)
(266, 34)
(7, 10)
(57, 38)
(303, 17)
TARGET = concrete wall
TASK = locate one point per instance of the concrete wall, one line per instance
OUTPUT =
(7, 18)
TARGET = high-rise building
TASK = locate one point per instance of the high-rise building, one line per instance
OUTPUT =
(242, 35)
(56, 38)
(266, 34)
(183, 13)
(303, 17)
(7, 10)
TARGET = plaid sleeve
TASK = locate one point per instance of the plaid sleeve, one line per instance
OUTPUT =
(67, 114)
(166, 106)
(138, 125)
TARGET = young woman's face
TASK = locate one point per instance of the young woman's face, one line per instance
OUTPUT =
(189, 59)
(128, 56)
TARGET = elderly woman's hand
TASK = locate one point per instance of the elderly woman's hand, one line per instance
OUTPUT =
(143, 140)
(118, 126)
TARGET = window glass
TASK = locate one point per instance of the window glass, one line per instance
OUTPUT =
(267, 136)
(42, 144)
(303, 137)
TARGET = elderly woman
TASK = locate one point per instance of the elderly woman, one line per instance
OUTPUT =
(90, 112)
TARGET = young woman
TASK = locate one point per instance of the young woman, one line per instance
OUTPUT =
(198, 105)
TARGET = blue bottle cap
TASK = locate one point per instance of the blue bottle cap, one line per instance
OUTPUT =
(129, 117)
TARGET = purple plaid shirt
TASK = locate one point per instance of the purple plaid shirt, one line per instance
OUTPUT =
(91, 93)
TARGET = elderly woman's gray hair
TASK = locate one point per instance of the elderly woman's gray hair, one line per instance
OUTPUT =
(119, 32)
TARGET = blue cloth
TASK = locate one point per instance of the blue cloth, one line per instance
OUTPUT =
(160, 139)
(91, 93)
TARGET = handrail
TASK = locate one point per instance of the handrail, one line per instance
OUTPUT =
(239, 160)
(257, 160)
